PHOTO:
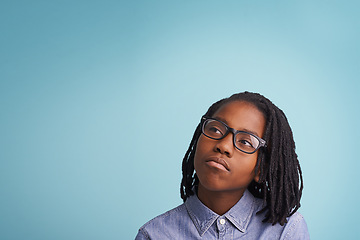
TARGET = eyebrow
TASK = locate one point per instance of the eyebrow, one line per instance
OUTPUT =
(244, 129)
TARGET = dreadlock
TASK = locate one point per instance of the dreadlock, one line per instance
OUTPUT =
(280, 183)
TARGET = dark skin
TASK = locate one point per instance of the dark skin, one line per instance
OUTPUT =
(225, 172)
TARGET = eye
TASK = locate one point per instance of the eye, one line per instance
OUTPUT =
(215, 130)
(245, 143)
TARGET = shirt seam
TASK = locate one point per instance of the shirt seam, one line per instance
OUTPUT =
(145, 233)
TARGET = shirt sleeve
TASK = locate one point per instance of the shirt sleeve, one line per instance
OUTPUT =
(296, 228)
(142, 235)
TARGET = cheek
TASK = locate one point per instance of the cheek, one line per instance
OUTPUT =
(201, 149)
(246, 166)
(197, 156)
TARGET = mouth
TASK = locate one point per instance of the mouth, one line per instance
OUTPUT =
(218, 163)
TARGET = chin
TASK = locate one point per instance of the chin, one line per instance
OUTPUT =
(213, 186)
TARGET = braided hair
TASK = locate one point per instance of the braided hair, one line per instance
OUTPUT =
(280, 183)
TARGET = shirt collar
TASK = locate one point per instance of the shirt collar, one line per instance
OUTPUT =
(203, 217)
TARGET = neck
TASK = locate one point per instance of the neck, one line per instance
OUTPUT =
(219, 201)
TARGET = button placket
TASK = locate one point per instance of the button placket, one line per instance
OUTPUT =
(222, 221)
(221, 227)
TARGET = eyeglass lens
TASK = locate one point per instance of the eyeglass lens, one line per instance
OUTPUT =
(216, 130)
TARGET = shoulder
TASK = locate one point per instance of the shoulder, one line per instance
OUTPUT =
(169, 219)
(171, 215)
(295, 228)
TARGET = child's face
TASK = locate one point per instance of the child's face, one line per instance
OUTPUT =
(239, 169)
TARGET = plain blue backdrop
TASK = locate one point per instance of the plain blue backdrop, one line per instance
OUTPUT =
(99, 101)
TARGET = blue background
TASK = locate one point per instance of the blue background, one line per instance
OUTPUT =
(99, 101)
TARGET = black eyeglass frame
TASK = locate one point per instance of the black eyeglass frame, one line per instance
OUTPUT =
(262, 142)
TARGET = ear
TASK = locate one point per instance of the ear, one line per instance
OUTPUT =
(257, 176)
(260, 158)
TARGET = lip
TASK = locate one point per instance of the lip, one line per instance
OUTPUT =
(219, 163)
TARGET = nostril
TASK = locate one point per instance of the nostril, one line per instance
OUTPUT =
(222, 152)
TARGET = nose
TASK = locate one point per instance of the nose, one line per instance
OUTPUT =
(225, 145)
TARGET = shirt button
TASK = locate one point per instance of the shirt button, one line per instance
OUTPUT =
(222, 221)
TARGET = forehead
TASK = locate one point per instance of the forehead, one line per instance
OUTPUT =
(243, 116)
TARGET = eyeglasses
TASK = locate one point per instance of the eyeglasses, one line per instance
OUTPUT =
(244, 141)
